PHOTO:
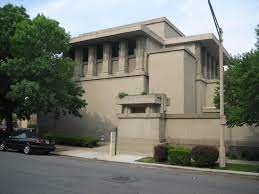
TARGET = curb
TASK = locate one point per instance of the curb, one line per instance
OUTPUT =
(250, 175)
(204, 170)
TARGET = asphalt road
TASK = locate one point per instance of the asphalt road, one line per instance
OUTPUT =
(36, 174)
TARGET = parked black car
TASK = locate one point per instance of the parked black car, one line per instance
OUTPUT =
(27, 141)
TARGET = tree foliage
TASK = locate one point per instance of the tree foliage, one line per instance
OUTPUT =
(257, 37)
(39, 73)
(241, 90)
(10, 16)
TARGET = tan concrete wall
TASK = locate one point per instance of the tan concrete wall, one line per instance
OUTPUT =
(138, 135)
(190, 46)
(206, 132)
(180, 69)
(99, 117)
(189, 83)
(132, 64)
(169, 32)
(157, 28)
(99, 67)
(152, 45)
(115, 65)
(210, 93)
(139, 128)
(163, 30)
(166, 75)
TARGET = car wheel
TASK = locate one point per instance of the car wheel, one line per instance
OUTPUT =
(46, 153)
(27, 150)
(2, 147)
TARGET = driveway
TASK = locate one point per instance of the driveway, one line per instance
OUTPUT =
(36, 174)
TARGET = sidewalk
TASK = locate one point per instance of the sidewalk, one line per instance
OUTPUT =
(102, 153)
(98, 153)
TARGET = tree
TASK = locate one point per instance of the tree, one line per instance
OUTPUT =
(39, 73)
(241, 86)
(10, 16)
(257, 37)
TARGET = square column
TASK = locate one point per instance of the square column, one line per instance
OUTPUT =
(91, 61)
(198, 53)
(140, 49)
(199, 74)
(214, 68)
(209, 67)
(205, 63)
(78, 69)
(123, 56)
(107, 59)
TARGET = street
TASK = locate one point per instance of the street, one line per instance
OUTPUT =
(39, 174)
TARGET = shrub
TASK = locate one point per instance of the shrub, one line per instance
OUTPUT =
(250, 154)
(160, 152)
(205, 156)
(82, 141)
(122, 94)
(179, 156)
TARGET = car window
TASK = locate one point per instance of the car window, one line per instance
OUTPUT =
(32, 135)
(20, 136)
(23, 134)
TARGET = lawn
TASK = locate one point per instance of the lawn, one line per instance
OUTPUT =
(234, 167)
(241, 167)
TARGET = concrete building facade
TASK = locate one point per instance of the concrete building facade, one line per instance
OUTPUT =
(168, 81)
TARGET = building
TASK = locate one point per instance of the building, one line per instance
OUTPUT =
(151, 82)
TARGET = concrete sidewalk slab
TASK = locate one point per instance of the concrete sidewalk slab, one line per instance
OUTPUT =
(101, 156)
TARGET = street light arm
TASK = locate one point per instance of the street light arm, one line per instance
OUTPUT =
(218, 28)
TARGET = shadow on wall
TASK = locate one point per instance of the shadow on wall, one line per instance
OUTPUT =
(90, 124)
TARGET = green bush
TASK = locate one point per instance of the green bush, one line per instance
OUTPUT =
(82, 141)
(160, 152)
(250, 154)
(205, 156)
(122, 94)
(179, 156)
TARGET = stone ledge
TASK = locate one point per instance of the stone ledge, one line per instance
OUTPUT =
(210, 115)
(140, 116)
(210, 110)
(171, 49)
(140, 99)
(111, 76)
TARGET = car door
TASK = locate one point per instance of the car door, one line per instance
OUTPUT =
(10, 141)
(21, 141)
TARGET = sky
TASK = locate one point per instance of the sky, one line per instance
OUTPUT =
(238, 18)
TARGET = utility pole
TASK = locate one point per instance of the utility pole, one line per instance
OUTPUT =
(222, 154)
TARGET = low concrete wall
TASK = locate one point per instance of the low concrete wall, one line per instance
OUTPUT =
(205, 131)
(138, 135)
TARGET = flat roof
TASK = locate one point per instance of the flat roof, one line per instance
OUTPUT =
(126, 29)
(196, 38)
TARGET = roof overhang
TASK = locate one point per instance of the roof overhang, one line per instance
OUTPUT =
(207, 40)
(115, 33)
